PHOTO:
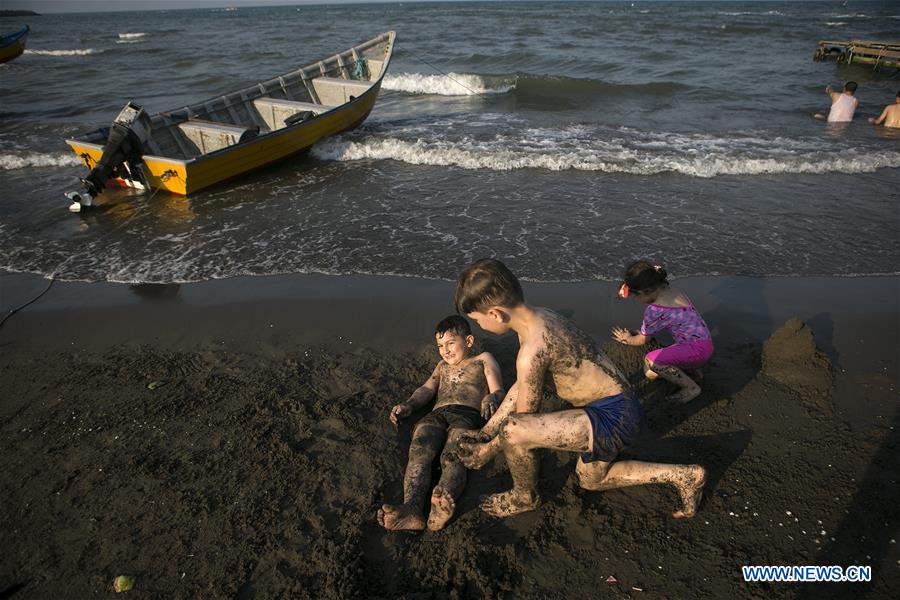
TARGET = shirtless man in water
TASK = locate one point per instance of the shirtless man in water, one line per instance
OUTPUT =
(468, 391)
(890, 116)
(606, 417)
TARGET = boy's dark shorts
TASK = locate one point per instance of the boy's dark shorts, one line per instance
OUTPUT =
(453, 416)
(616, 422)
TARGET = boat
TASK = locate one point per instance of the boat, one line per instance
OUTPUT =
(13, 45)
(187, 149)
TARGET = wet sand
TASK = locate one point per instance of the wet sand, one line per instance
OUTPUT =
(230, 439)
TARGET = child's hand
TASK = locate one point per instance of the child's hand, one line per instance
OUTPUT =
(621, 335)
(400, 411)
(489, 405)
(475, 449)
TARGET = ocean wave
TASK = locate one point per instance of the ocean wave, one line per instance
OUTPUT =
(555, 88)
(768, 13)
(452, 84)
(536, 90)
(9, 162)
(584, 150)
(129, 36)
(834, 23)
(78, 52)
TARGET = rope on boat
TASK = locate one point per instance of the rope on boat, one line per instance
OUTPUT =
(448, 76)
(359, 68)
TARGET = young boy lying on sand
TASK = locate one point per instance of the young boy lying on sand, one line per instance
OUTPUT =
(468, 391)
(604, 420)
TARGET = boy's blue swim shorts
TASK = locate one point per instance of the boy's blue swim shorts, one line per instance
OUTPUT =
(616, 422)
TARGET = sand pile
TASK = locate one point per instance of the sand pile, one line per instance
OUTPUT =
(790, 357)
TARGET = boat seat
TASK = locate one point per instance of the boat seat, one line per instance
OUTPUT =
(332, 90)
(278, 113)
(210, 136)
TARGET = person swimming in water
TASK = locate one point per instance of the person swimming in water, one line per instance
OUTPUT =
(843, 104)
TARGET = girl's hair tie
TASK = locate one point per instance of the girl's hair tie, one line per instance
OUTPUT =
(623, 291)
(658, 268)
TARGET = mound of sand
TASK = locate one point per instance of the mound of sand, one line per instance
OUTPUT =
(790, 357)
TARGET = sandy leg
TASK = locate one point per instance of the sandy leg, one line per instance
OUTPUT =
(684, 395)
(520, 434)
(400, 517)
(689, 484)
(450, 487)
(687, 479)
(689, 388)
(695, 374)
(426, 442)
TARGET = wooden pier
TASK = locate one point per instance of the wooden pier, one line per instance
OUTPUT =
(878, 54)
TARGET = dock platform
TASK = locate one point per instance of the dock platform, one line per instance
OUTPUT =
(878, 54)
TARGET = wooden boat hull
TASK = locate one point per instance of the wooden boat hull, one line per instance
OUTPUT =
(12, 46)
(187, 176)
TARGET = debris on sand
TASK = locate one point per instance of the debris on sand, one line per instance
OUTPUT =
(123, 583)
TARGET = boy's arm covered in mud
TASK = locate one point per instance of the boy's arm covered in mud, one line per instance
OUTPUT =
(478, 448)
(420, 397)
(491, 401)
(531, 368)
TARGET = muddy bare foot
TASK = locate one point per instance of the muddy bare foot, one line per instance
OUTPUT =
(690, 488)
(508, 503)
(685, 395)
(400, 517)
(442, 508)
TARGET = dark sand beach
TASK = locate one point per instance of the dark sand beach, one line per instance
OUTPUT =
(230, 439)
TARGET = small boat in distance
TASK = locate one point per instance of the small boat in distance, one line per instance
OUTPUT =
(187, 149)
(13, 45)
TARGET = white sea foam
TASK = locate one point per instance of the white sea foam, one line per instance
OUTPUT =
(128, 36)
(452, 84)
(78, 52)
(834, 23)
(10, 162)
(696, 157)
(772, 13)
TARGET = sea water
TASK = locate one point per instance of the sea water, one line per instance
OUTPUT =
(565, 138)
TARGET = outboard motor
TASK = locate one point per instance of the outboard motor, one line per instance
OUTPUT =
(126, 138)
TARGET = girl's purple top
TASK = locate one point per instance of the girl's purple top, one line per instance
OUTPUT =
(683, 322)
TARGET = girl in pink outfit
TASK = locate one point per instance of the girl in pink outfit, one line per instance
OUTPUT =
(670, 310)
